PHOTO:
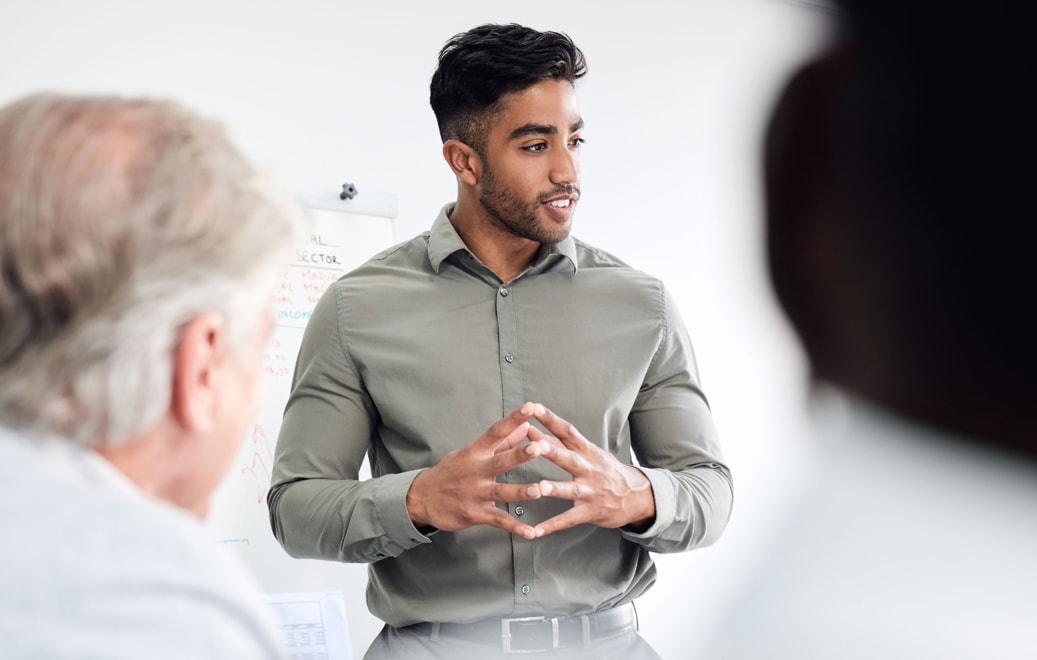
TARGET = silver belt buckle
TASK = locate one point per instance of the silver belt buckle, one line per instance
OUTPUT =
(505, 625)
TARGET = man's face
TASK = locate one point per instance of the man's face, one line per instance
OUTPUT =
(531, 166)
(240, 392)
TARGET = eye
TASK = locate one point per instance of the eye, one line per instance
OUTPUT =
(576, 142)
(539, 146)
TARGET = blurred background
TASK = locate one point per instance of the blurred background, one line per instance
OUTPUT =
(675, 101)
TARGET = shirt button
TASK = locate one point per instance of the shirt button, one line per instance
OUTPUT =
(519, 510)
(526, 589)
(509, 358)
(504, 291)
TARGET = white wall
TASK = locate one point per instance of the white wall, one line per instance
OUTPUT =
(675, 101)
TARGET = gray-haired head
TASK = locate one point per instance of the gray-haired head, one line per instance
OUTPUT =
(120, 221)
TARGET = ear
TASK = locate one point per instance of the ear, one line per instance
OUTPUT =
(464, 161)
(197, 370)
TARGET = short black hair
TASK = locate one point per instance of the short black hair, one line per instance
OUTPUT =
(476, 68)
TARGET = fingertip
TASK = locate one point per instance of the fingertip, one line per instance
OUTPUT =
(530, 533)
(527, 408)
(540, 410)
(545, 488)
(533, 492)
(540, 532)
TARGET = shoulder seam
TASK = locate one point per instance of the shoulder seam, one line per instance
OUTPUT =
(340, 309)
(664, 321)
(390, 251)
(601, 254)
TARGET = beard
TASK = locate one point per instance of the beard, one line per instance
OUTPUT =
(520, 217)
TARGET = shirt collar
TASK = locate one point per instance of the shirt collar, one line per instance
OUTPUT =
(444, 241)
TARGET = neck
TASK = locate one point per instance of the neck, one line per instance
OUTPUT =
(151, 462)
(501, 251)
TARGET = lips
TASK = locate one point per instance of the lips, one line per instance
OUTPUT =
(563, 199)
(561, 209)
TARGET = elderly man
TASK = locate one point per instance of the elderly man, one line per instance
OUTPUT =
(137, 252)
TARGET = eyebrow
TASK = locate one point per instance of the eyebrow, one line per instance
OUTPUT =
(541, 129)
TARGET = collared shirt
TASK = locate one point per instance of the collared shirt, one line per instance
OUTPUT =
(417, 352)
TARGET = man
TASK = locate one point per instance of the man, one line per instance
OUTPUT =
(482, 544)
(138, 250)
(899, 198)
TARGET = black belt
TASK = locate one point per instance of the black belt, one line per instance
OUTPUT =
(537, 633)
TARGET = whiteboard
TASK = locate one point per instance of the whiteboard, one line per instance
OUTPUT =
(346, 233)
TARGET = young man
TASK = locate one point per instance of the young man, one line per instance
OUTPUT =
(138, 250)
(497, 318)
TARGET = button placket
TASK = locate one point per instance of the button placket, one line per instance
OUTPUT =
(513, 393)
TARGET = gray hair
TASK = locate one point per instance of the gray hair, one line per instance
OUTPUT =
(121, 220)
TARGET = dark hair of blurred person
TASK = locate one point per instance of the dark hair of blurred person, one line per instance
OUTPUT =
(899, 168)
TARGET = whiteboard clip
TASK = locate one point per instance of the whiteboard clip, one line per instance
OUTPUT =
(348, 191)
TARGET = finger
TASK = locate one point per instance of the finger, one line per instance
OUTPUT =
(565, 490)
(548, 443)
(563, 430)
(506, 460)
(512, 440)
(512, 492)
(565, 520)
(503, 520)
(554, 451)
(503, 430)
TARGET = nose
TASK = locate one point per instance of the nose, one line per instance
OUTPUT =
(565, 167)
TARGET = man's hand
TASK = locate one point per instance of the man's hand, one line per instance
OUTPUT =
(461, 489)
(604, 491)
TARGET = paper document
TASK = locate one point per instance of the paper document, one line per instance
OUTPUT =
(314, 625)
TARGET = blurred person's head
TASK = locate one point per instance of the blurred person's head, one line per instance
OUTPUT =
(898, 174)
(138, 253)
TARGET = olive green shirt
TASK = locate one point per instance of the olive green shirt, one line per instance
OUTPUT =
(417, 352)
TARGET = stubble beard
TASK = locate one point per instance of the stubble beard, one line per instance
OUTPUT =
(518, 217)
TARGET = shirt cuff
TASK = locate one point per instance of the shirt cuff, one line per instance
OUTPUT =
(391, 505)
(665, 505)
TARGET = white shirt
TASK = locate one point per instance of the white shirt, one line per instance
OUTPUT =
(94, 568)
(909, 543)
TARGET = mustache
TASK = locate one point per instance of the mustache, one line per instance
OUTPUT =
(564, 189)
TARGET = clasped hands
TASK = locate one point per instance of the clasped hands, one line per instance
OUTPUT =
(461, 490)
